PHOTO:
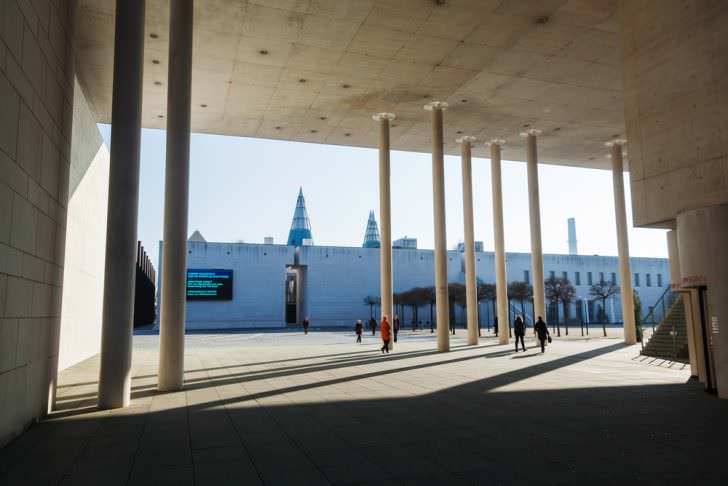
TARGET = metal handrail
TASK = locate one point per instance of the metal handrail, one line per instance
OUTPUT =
(657, 312)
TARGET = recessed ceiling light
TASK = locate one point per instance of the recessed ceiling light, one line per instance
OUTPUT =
(314, 131)
(615, 136)
(277, 128)
(155, 61)
(203, 105)
(322, 118)
(394, 125)
(263, 52)
(160, 116)
(347, 134)
(345, 86)
(459, 132)
(302, 80)
(557, 129)
(426, 96)
(526, 125)
(153, 36)
(158, 83)
(463, 100)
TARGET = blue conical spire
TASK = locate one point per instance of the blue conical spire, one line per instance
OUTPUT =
(371, 235)
(300, 226)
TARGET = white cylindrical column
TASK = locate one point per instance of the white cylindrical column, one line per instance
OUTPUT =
(471, 284)
(673, 256)
(438, 193)
(501, 282)
(385, 219)
(534, 210)
(620, 214)
(176, 198)
(121, 227)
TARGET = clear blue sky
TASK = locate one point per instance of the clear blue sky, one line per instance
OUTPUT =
(245, 189)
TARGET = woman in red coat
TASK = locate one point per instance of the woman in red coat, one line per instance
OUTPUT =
(385, 329)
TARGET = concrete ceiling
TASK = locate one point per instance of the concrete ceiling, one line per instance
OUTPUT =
(316, 71)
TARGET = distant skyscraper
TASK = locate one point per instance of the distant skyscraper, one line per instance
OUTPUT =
(572, 237)
(300, 226)
(371, 235)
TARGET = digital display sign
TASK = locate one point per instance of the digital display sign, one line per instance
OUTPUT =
(209, 284)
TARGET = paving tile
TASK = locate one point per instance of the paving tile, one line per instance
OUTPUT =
(267, 409)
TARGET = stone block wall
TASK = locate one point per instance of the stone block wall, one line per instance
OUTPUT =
(36, 97)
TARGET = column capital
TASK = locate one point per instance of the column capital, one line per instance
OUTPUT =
(466, 138)
(496, 141)
(618, 141)
(436, 105)
(384, 116)
(533, 131)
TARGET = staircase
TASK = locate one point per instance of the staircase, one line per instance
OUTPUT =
(669, 339)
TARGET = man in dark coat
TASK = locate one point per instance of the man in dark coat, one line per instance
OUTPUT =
(519, 330)
(542, 332)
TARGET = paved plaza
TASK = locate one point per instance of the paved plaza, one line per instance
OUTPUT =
(286, 408)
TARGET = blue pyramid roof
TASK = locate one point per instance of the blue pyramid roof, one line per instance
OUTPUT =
(300, 226)
(371, 235)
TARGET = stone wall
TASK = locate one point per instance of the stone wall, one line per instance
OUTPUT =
(36, 96)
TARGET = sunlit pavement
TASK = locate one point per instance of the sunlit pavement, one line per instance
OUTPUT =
(287, 408)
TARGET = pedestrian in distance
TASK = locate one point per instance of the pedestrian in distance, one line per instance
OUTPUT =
(358, 328)
(519, 329)
(385, 330)
(432, 326)
(396, 327)
(542, 332)
(305, 325)
(373, 325)
(495, 326)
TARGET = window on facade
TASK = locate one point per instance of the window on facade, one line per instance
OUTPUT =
(577, 278)
(659, 280)
(589, 280)
(552, 274)
(601, 277)
(565, 275)
(526, 276)
(614, 278)
(648, 280)
(636, 279)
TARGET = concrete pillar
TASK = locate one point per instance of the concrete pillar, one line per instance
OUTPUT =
(675, 278)
(385, 219)
(121, 230)
(534, 210)
(438, 192)
(702, 238)
(501, 282)
(176, 198)
(620, 214)
(471, 284)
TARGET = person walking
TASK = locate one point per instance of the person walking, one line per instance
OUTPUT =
(495, 326)
(358, 328)
(305, 325)
(519, 329)
(542, 332)
(385, 329)
(396, 327)
(373, 325)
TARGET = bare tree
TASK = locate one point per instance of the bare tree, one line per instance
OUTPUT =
(372, 301)
(522, 292)
(487, 293)
(602, 291)
(567, 294)
(560, 290)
